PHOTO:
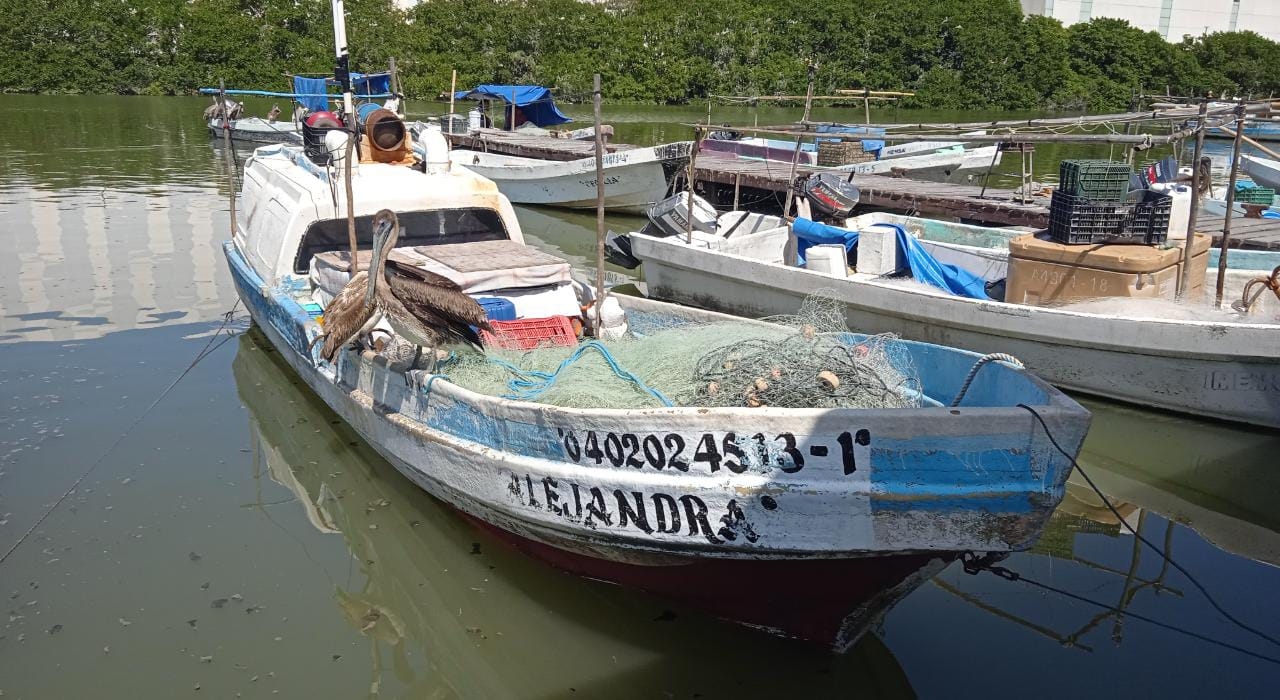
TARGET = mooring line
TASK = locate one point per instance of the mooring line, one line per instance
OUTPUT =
(204, 352)
(1195, 582)
(977, 564)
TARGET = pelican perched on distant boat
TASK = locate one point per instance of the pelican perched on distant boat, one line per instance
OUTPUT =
(426, 309)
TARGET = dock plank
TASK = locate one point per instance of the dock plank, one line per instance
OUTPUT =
(1257, 234)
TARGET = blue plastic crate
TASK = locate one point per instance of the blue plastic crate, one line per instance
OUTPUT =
(497, 309)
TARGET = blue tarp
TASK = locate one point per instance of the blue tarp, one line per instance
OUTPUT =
(924, 267)
(363, 84)
(534, 101)
(312, 88)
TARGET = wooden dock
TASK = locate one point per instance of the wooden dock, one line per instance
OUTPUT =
(998, 206)
(751, 177)
(1255, 234)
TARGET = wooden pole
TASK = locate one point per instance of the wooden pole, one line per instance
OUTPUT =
(866, 107)
(795, 156)
(595, 98)
(737, 188)
(351, 206)
(453, 89)
(226, 150)
(1231, 203)
(1195, 202)
(693, 161)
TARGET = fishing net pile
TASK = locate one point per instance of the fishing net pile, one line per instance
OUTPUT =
(807, 360)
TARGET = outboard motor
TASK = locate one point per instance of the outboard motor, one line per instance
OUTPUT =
(670, 217)
(830, 195)
(617, 250)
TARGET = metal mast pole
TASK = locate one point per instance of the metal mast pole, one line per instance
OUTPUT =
(342, 68)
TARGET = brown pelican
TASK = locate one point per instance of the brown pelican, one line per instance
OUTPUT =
(353, 312)
(424, 308)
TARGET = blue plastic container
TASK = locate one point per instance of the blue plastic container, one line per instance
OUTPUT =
(497, 309)
(364, 110)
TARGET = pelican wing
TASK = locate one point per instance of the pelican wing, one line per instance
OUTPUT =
(346, 315)
(450, 312)
(397, 268)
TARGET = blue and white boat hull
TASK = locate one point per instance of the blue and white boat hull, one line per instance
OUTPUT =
(760, 483)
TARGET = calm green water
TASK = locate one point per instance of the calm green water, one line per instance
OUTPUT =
(240, 540)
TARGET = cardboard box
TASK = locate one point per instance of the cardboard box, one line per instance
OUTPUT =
(1045, 273)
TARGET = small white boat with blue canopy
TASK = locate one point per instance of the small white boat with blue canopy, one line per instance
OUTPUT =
(636, 435)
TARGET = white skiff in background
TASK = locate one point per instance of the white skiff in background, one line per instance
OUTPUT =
(634, 179)
(1217, 365)
(1264, 171)
(257, 130)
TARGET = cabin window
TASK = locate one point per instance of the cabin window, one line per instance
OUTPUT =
(417, 228)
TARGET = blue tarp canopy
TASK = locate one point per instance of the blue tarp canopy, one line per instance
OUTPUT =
(313, 93)
(534, 101)
(924, 267)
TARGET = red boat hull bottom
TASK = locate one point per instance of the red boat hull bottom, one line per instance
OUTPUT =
(825, 601)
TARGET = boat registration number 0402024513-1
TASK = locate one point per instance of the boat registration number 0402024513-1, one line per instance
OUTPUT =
(711, 452)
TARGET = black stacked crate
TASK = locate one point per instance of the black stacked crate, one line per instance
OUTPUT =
(1091, 206)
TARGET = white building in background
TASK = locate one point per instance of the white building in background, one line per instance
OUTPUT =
(1172, 19)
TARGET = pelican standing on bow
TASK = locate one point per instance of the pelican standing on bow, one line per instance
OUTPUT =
(426, 309)
(352, 313)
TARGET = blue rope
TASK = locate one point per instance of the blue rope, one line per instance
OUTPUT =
(530, 384)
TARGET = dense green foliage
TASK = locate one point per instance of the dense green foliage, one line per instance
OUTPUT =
(952, 53)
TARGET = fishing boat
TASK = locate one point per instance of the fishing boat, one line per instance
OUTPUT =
(528, 109)
(634, 179)
(1264, 171)
(953, 164)
(257, 130)
(934, 160)
(968, 241)
(953, 452)
(1256, 129)
(430, 561)
(528, 469)
(309, 96)
(1216, 364)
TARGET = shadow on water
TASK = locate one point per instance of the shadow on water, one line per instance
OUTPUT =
(444, 605)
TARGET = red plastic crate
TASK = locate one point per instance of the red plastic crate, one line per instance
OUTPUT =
(529, 333)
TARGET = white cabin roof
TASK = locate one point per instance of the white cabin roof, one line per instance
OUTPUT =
(284, 192)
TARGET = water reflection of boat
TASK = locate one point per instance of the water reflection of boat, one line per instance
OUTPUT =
(448, 610)
(1217, 480)
(1220, 481)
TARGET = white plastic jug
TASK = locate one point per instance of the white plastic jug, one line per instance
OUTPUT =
(1180, 213)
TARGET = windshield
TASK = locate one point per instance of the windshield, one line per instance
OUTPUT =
(417, 228)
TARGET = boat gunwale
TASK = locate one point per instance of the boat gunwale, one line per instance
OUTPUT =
(1057, 404)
